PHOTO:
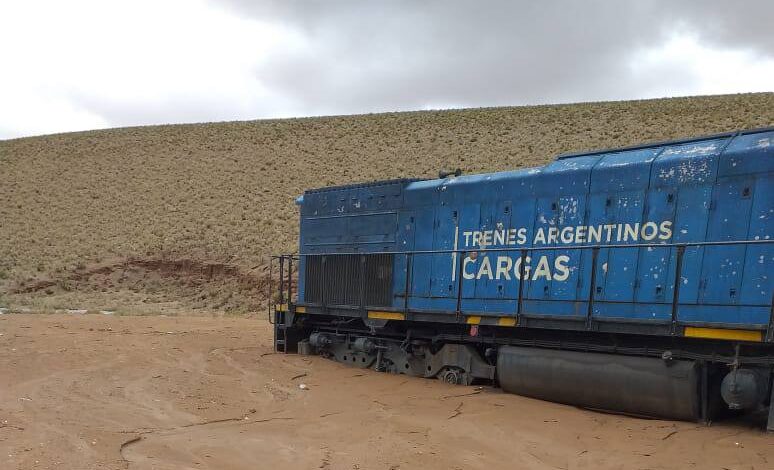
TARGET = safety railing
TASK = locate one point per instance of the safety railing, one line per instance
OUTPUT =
(284, 283)
(286, 263)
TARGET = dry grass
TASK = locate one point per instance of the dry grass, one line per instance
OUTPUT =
(224, 192)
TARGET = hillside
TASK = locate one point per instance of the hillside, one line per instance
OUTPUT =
(168, 217)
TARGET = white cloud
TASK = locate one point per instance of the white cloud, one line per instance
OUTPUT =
(86, 64)
(701, 70)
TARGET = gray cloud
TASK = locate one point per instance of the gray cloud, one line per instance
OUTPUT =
(360, 56)
(370, 56)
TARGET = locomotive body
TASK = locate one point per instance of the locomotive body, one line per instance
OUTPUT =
(654, 260)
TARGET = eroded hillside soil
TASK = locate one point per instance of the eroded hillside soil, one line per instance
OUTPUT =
(224, 193)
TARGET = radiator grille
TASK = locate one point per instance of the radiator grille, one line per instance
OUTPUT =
(354, 280)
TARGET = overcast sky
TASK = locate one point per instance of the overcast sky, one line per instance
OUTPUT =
(86, 64)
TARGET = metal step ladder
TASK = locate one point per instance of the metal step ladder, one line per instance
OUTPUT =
(280, 333)
(278, 309)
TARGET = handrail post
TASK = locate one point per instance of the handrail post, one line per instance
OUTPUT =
(268, 299)
(523, 259)
(770, 331)
(290, 280)
(592, 287)
(459, 284)
(324, 294)
(409, 258)
(282, 279)
(676, 290)
(361, 299)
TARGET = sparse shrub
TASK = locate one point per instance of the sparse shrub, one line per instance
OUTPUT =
(226, 191)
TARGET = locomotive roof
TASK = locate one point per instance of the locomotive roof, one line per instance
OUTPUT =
(528, 171)
(663, 143)
(365, 185)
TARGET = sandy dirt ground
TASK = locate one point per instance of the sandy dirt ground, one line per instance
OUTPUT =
(101, 391)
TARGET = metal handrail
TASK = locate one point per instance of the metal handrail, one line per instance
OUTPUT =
(524, 251)
(541, 248)
(285, 281)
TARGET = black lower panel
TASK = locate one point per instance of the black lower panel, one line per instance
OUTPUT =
(353, 280)
(635, 385)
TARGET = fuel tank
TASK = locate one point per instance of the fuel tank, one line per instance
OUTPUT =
(634, 385)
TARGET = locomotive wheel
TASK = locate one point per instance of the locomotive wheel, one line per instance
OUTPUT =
(452, 375)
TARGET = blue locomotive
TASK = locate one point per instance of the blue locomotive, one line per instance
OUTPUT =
(636, 279)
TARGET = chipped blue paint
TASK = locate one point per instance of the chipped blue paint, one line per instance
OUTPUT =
(719, 188)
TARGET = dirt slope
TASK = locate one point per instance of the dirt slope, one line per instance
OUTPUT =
(162, 393)
(223, 193)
